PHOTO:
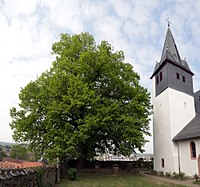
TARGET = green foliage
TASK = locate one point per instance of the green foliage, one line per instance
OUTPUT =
(2, 153)
(89, 102)
(196, 182)
(41, 173)
(19, 151)
(175, 175)
(180, 176)
(71, 173)
(196, 176)
(154, 172)
(161, 173)
(168, 174)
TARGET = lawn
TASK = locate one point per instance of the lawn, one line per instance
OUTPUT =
(94, 180)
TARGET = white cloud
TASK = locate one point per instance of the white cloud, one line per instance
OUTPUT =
(65, 14)
(108, 28)
(122, 9)
(19, 8)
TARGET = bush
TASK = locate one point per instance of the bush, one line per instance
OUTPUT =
(175, 175)
(196, 182)
(161, 173)
(71, 173)
(196, 176)
(153, 172)
(180, 175)
(168, 174)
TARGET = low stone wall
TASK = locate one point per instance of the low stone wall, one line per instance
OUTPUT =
(29, 177)
(112, 166)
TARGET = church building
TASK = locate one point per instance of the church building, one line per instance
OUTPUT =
(176, 113)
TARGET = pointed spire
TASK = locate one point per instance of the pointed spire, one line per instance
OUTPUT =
(170, 54)
(170, 50)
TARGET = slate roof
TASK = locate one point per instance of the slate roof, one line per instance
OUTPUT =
(170, 53)
(190, 131)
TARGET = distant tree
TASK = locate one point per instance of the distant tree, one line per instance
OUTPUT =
(2, 153)
(89, 102)
(19, 152)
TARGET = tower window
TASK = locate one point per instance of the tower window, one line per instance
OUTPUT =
(162, 162)
(183, 78)
(177, 75)
(185, 105)
(161, 77)
(193, 150)
(157, 79)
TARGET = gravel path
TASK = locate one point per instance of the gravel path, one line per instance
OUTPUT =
(184, 183)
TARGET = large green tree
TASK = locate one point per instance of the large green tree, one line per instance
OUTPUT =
(89, 102)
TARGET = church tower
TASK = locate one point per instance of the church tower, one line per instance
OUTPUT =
(173, 104)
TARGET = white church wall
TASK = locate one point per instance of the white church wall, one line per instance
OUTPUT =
(187, 164)
(162, 133)
(172, 111)
(182, 110)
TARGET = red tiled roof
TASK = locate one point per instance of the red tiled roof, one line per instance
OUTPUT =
(4, 159)
(15, 163)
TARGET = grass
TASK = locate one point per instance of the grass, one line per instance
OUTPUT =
(97, 180)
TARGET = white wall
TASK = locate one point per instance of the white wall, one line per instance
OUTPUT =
(181, 109)
(188, 165)
(172, 111)
(162, 134)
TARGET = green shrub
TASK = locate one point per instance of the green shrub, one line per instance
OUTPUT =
(181, 175)
(161, 173)
(71, 173)
(154, 172)
(168, 174)
(175, 175)
(196, 176)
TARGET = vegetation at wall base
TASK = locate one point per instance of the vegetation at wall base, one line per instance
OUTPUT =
(174, 175)
(72, 173)
(196, 177)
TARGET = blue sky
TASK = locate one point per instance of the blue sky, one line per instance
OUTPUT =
(28, 29)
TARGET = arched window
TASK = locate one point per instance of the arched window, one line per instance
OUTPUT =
(193, 150)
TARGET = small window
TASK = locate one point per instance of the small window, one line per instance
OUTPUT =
(177, 75)
(163, 162)
(157, 79)
(161, 77)
(185, 105)
(193, 150)
(183, 78)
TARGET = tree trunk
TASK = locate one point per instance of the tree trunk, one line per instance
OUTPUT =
(63, 166)
(81, 158)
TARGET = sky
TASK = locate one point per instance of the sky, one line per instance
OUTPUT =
(28, 28)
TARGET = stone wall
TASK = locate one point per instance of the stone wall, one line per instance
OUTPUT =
(112, 166)
(29, 177)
